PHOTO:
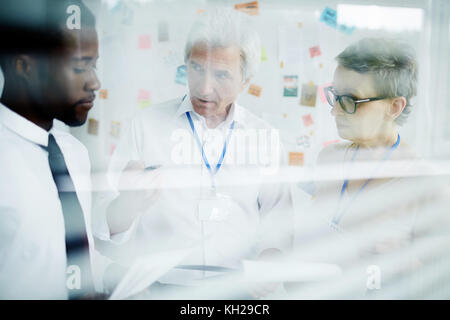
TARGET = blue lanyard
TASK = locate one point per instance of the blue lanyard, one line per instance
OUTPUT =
(222, 156)
(338, 216)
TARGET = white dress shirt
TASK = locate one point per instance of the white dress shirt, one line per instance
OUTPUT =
(259, 207)
(32, 236)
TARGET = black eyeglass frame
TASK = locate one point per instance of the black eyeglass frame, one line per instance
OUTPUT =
(355, 102)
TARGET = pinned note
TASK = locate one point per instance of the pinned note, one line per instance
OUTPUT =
(250, 8)
(290, 86)
(263, 54)
(315, 51)
(115, 129)
(145, 41)
(163, 31)
(181, 75)
(303, 141)
(346, 29)
(296, 158)
(103, 94)
(254, 90)
(93, 126)
(326, 143)
(307, 120)
(143, 94)
(112, 147)
(321, 90)
(309, 94)
(329, 17)
(144, 100)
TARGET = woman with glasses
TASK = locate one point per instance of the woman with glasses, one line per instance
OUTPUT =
(369, 205)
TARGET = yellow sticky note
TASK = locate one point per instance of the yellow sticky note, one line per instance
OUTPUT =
(93, 126)
(103, 94)
(254, 90)
(281, 64)
(296, 158)
(263, 54)
(144, 103)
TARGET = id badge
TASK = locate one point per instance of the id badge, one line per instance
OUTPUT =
(214, 208)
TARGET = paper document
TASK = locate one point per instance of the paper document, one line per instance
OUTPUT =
(288, 271)
(147, 270)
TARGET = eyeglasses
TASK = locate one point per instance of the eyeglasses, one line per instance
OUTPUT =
(347, 102)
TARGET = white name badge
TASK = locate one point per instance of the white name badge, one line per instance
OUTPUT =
(215, 208)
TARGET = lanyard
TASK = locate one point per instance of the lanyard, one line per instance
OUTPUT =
(222, 156)
(339, 214)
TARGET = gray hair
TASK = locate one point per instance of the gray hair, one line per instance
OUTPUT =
(225, 28)
(391, 62)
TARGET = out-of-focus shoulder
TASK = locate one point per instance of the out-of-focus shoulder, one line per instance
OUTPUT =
(333, 152)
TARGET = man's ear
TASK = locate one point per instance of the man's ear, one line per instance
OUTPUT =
(24, 66)
(245, 84)
(396, 108)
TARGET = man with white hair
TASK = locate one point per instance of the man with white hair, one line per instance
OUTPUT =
(200, 170)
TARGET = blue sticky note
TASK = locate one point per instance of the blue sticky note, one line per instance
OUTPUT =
(346, 29)
(181, 76)
(329, 16)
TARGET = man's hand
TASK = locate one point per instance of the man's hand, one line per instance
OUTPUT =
(262, 289)
(139, 189)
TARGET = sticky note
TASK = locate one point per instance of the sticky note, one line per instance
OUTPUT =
(163, 31)
(92, 126)
(346, 29)
(309, 94)
(254, 90)
(290, 88)
(115, 129)
(300, 24)
(112, 147)
(200, 11)
(303, 141)
(296, 158)
(329, 16)
(142, 104)
(314, 51)
(322, 96)
(103, 94)
(263, 54)
(326, 143)
(281, 64)
(250, 8)
(143, 95)
(145, 41)
(127, 15)
(181, 75)
(307, 120)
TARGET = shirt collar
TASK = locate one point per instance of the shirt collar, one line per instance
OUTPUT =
(23, 127)
(235, 112)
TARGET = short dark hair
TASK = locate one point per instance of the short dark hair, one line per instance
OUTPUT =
(36, 26)
(391, 61)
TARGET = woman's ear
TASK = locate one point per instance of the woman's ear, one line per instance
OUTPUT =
(396, 108)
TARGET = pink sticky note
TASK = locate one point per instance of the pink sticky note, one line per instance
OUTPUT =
(322, 92)
(326, 143)
(112, 147)
(307, 120)
(143, 95)
(145, 41)
(315, 51)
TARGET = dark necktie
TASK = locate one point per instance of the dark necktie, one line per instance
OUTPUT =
(79, 275)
